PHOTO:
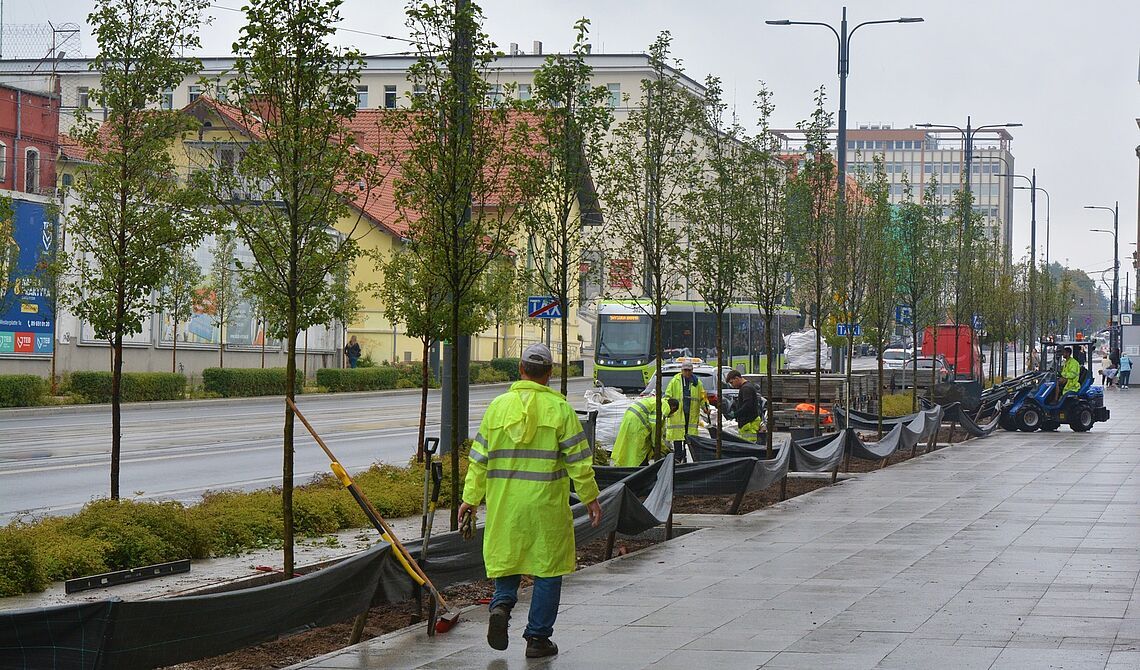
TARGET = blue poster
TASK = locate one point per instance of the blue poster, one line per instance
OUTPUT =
(27, 242)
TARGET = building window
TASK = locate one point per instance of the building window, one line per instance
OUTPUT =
(195, 92)
(167, 101)
(82, 97)
(850, 145)
(31, 171)
(494, 95)
(3, 161)
(66, 180)
(361, 97)
(621, 273)
(615, 94)
(524, 92)
(390, 97)
(419, 90)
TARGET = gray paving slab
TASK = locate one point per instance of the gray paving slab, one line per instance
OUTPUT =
(1015, 551)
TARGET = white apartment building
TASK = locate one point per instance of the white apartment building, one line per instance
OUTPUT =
(925, 153)
(383, 80)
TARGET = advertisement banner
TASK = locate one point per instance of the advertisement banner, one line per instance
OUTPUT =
(27, 243)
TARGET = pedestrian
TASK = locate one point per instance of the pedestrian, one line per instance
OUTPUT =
(686, 389)
(1125, 368)
(634, 443)
(528, 448)
(1107, 374)
(352, 351)
(1079, 354)
(1034, 359)
(746, 407)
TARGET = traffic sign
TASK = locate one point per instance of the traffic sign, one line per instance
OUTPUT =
(543, 307)
(903, 315)
(845, 329)
(976, 321)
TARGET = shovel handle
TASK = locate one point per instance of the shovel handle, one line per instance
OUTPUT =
(436, 480)
(431, 445)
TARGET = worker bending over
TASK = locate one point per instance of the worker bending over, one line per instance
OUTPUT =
(747, 407)
(634, 443)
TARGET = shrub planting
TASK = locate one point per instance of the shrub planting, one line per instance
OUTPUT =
(22, 390)
(358, 379)
(247, 382)
(95, 385)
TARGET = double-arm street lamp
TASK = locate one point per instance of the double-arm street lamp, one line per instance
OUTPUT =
(1114, 312)
(1032, 250)
(968, 134)
(843, 37)
(1048, 207)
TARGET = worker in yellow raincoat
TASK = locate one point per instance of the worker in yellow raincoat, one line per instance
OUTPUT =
(529, 446)
(1070, 374)
(686, 389)
(634, 443)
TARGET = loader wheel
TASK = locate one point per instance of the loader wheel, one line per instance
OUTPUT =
(1083, 419)
(1028, 419)
(1050, 425)
(1007, 421)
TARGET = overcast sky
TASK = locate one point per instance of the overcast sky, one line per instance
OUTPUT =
(1067, 70)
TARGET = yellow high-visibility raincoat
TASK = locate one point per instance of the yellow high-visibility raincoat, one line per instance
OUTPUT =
(634, 441)
(1071, 372)
(675, 425)
(530, 444)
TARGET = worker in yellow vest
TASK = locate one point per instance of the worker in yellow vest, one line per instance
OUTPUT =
(686, 389)
(529, 446)
(634, 443)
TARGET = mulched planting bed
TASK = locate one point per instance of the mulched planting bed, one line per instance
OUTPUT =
(381, 620)
(752, 501)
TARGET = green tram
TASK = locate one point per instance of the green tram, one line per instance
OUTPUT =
(624, 346)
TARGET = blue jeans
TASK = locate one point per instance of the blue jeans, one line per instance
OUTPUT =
(544, 598)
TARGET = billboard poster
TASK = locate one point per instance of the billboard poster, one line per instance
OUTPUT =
(27, 241)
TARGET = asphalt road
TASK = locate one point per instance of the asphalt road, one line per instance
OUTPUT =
(55, 463)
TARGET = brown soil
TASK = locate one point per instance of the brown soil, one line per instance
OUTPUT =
(381, 620)
(752, 501)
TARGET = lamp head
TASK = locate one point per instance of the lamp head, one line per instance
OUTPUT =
(782, 22)
(911, 19)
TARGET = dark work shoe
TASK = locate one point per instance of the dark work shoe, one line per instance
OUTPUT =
(497, 627)
(540, 647)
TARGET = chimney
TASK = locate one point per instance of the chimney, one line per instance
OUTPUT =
(537, 49)
(514, 48)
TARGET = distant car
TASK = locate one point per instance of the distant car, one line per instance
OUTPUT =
(895, 357)
(925, 363)
(705, 373)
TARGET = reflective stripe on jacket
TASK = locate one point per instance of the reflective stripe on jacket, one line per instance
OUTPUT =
(529, 446)
(634, 440)
(675, 424)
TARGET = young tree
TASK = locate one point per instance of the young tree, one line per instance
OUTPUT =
(415, 298)
(853, 256)
(716, 210)
(223, 285)
(178, 296)
(573, 117)
(466, 150)
(964, 271)
(766, 237)
(812, 209)
(919, 283)
(503, 299)
(295, 94)
(650, 165)
(136, 215)
(883, 262)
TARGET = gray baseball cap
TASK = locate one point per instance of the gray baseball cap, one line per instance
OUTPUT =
(538, 353)
(686, 366)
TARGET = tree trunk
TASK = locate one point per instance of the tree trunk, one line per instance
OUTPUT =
(454, 400)
(850, 360)
(879, 346)
(287, 444)
(914, 364)
(818, 357)
(116, 400)
(222, 340)
(565, 352)
(770, 419)
(424, 383)
(174, 349)
(658, 427)
(719, 388)
(263, 338)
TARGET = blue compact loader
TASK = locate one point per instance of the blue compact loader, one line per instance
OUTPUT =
(1041, 407)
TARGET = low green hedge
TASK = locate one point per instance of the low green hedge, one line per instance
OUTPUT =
(247, 382)
(510, 368)
(95, 386)
(118, 534)
(358, 379)
(22, 390)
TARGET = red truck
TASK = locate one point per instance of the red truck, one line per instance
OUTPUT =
(967, 362)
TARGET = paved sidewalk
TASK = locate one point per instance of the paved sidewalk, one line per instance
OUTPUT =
(1016, 551)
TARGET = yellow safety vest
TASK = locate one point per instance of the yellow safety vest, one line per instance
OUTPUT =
(634, 441)
(529, 446)
(1071, 371)
(675, 429)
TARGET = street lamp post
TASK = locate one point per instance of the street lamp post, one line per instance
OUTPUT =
(843, 37)
(1048, 207)
(968, 134)
(1114, 312)
(1032, 251)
